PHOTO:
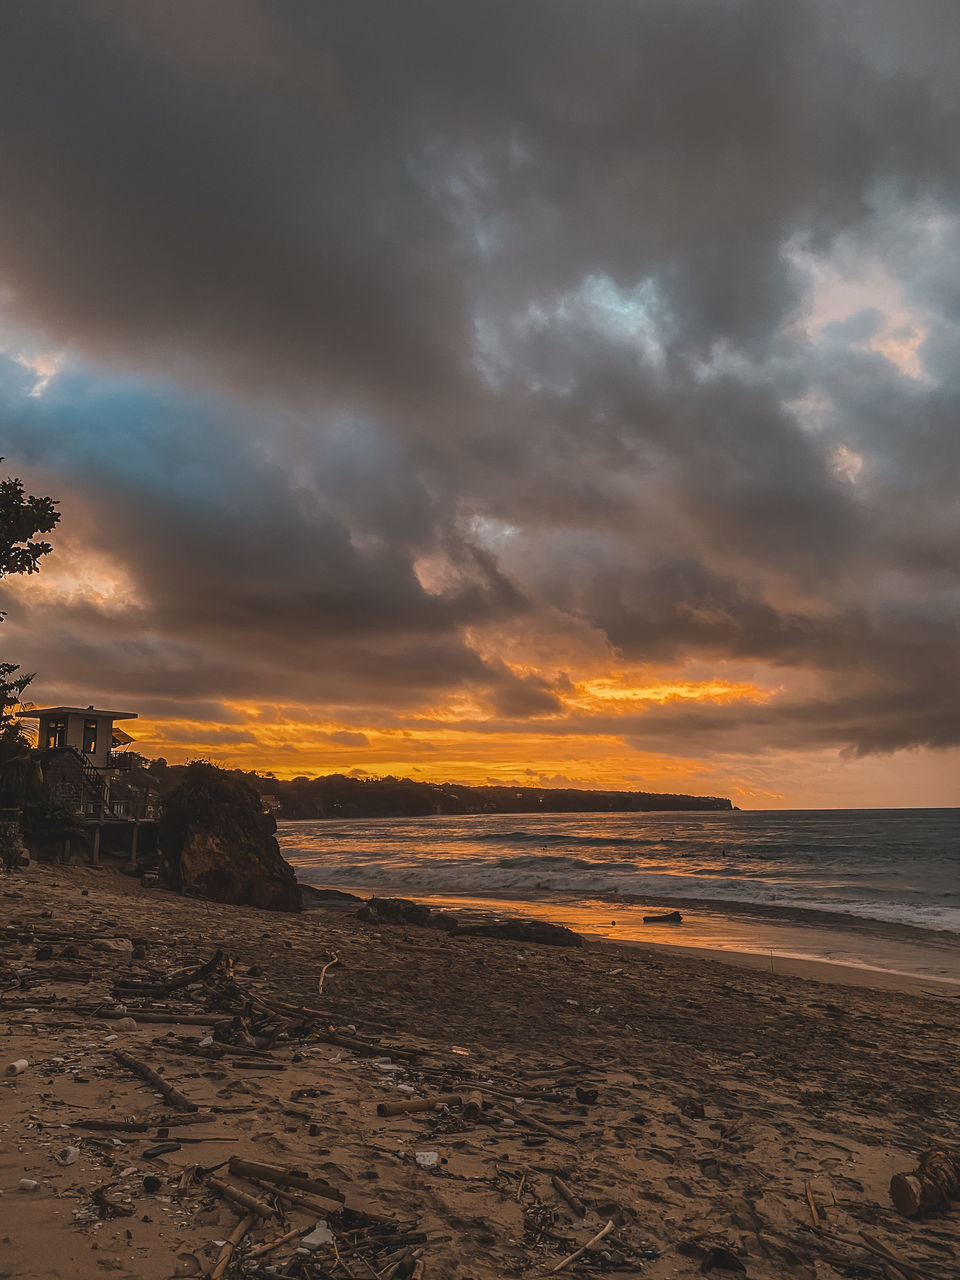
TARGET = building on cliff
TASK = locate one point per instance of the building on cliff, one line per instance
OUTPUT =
(89, 771)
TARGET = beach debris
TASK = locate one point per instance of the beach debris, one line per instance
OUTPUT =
(67, 1155)
(671, 917)
(934, 1182)
(281, 1177)
(427, 1159)
(897, 1265)
(161, 1149)
(172, 1094)
(16, 1068)
(183, 979)
(28, 1184)
(108, 1207)
(586, 1094)
(471, 1104)
(318, 1237)
(814, 1215)
(522, 1118)
(323, 972)
(601, 1234)
(235, 1195)
(577, 1207)
(288, 1236)
(226, 1252)
(405, 1105)
(113, 1126)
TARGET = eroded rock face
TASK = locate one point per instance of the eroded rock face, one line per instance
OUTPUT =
(217, 843)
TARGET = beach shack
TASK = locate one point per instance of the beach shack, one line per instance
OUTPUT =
(89, 771)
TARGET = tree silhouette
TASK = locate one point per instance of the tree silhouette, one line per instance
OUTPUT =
(22, 518)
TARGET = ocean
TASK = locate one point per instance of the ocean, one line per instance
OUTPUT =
(879, 888)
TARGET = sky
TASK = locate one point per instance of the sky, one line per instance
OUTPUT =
(558, 393)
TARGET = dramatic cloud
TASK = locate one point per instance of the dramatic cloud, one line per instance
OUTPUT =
(429, 385)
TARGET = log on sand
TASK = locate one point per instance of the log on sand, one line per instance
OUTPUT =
(934, 1182)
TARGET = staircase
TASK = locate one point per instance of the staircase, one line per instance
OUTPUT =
(75, 784)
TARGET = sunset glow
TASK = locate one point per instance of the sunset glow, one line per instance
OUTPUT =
(602, 437)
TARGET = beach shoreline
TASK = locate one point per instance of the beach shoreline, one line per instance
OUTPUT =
(887, 942)
(713, 1096)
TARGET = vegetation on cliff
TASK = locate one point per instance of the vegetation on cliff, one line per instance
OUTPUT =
(338, 796)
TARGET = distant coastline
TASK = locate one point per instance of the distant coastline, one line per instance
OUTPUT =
(338, 796)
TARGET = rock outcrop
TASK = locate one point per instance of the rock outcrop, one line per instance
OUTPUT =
(404, 912)
(539, 931)
(216, 843)
(394, 911)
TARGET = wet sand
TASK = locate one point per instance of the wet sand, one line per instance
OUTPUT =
(804, 943)
(727, 1097)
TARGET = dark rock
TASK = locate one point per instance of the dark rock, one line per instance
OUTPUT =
(217, 843)
(672, 917)
(394, 911)
(553, 935)
(443, 920)
(326, 897)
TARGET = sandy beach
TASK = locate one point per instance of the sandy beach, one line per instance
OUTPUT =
(708, 1110)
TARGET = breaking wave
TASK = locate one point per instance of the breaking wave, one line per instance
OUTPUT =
(891, 867)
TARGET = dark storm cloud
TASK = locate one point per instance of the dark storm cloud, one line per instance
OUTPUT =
(509, 295)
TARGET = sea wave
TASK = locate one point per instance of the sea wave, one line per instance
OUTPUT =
(546, 840)
(545, 877)
(885, 866)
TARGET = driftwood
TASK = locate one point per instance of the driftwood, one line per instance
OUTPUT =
(814, 1215)
(934, 1182)
(158, 1015)
(172, 984)
(419, 1104)
(907, 1269)
(578, 1208)
(109, 1207)
(284, 1178)
(548, 1073)
(270, 1245)
(323, 972)
(671, 917)
(226, 1253)
(531, 1123)
(527, 1095)
(172, 1094)
(161, 1149)
(296, 1201)
(365, 1047)
(604, 1231)
(472, 1104)
(243, 1198)
(112, 1126)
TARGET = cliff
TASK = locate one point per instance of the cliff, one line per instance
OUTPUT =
(217, 843)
